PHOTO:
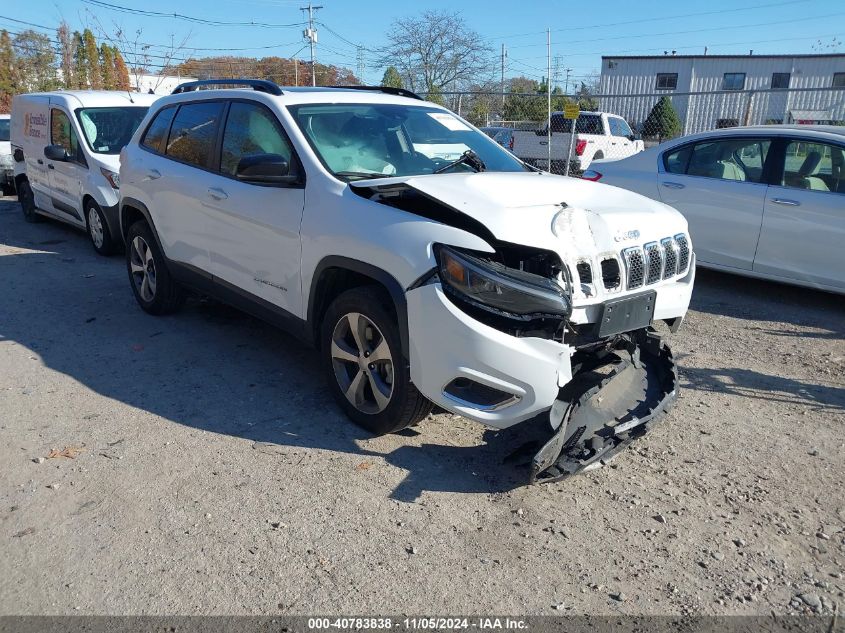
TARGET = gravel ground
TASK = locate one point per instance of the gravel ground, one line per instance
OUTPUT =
(207, 470)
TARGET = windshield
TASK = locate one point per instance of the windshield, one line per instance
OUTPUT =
(4, 130)
(107, 130)
(356, 141)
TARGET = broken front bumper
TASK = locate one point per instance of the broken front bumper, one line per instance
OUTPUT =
(611, 401)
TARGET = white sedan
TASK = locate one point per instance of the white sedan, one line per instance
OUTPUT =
(763, 201)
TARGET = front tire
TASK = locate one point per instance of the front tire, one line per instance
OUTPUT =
(364, 365)
(154, 288)
(27, 199)
(98, 229)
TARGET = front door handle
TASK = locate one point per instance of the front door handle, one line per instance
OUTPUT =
(50, 166)
(40, 162)
(218, 194)
(788, 203)
(673, 185)
(153, 174)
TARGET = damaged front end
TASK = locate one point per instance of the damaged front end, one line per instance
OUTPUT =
(615, 396)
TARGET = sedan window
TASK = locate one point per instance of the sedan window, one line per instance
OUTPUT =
(814, 166)
(729, 159)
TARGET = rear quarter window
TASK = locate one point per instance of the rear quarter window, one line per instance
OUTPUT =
(156, 135)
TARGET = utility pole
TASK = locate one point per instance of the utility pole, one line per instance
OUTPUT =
(311, 35)
(504, 58)
(567, 71)
(549, 97)
(295, 71)
(360, 62)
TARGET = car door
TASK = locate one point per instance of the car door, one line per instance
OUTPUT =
(66, 177)
(253, 227)
(804, 216)
(719, 187)
(621, 145)
(181, 169)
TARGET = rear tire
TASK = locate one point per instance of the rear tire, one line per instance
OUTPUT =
(362, 357)
(154, 288)
(98, 229)
(27, 199)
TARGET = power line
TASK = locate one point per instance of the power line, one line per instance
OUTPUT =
(187, 18)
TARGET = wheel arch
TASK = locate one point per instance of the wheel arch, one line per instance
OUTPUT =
(335, 274)
(132, 210)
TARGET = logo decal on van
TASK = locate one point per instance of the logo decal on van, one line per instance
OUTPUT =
(35, 125)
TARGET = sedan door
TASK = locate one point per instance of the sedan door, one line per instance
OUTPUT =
(66, 176)
(804, 219)
(253, 226)
(718, 186)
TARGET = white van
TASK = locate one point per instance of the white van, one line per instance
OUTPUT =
(7, 170)
(66, 148)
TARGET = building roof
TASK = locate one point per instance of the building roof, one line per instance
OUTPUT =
(779, 56)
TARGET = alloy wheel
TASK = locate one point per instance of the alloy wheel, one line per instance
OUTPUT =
(362, 363)
(95, 227)
(143, 268)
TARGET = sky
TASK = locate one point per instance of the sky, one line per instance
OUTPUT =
(580, 32)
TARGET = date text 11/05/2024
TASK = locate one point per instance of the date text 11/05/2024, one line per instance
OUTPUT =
(418, 623)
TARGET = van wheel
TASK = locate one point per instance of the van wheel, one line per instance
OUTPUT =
(27, 199)
(362, 357)
(155, 290)
(98, 229)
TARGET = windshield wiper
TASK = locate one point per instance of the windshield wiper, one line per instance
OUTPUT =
(362, 175)
(469, 157)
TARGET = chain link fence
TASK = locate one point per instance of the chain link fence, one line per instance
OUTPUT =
(615, 126)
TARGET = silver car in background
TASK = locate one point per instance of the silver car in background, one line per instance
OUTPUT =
(763, 201)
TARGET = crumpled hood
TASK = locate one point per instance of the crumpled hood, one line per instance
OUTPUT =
(521, 208)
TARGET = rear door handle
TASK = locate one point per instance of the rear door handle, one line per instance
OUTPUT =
(153, 174)
(218, 194)
(40, 162)
(50, 166)
(673, 185)
(788, 203)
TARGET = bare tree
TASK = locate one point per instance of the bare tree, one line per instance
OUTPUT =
(436, 52)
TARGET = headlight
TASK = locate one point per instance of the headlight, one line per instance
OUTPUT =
(497, 288)
(112, 176)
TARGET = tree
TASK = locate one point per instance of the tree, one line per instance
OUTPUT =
(392, 78)
(586, 100)
(67, 53)
(121, 72)
(662, 121)
(8, 75)
(80, 67)
(107, 67)
(35, 62)
(91, 55)
(436, 50)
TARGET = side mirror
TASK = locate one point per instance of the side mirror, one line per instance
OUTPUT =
(57, 153)
(265, 169)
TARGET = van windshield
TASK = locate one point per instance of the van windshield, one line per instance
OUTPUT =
(357, 141)
(107, 130)
(4, 130)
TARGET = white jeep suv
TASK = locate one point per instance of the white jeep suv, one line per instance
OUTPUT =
(474, 283)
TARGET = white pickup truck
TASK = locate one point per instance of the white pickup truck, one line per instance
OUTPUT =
(598, 135)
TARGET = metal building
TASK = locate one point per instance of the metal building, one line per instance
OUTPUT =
(711, 91)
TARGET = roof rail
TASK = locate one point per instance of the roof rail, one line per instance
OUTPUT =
(399, 92)
(260, 85)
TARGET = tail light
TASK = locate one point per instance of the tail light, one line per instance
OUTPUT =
(580, 145)
(591, 174)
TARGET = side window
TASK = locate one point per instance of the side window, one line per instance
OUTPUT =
(729, 159)
(560, 124)
(193, 134)
(589, 124)
(62, 132)
(618, 127)
(156, 135)
(676, 162)
(814, 166)
(251, 129)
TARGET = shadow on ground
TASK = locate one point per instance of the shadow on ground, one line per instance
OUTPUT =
(209, 367)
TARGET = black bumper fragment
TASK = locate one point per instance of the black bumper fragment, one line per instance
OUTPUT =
(607, 406)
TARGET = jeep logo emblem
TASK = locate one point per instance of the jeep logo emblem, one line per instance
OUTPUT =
(624, 236)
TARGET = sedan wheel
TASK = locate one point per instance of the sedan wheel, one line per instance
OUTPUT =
(143, 268)
(362, 363)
